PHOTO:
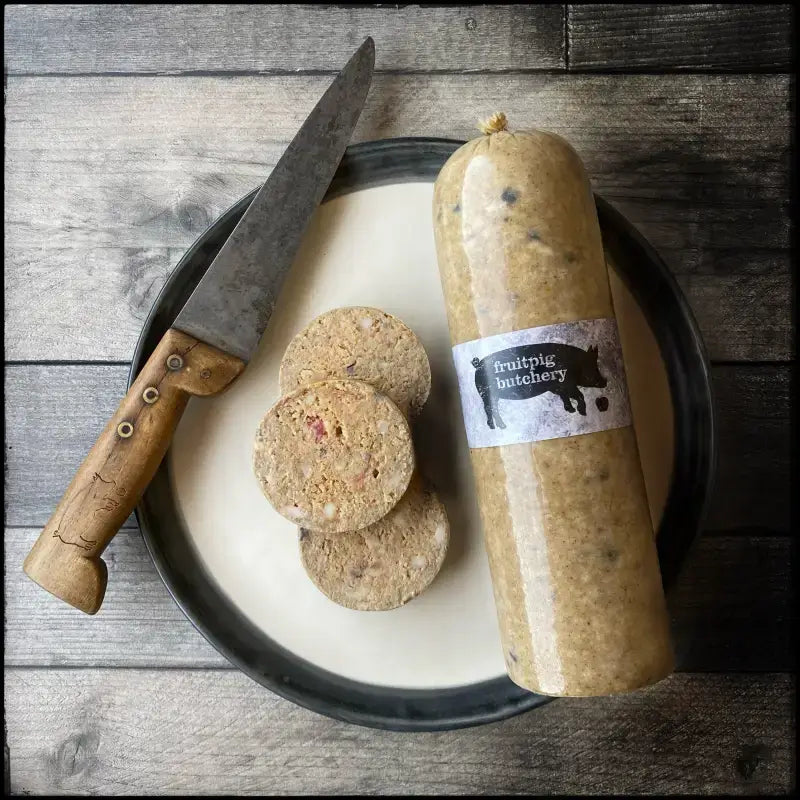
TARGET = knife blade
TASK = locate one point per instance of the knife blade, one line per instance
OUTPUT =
(206, 349)
(233, 302)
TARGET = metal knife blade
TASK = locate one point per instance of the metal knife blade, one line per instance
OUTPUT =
(231, 306)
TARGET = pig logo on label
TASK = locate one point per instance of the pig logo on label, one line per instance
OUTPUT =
(520, 373)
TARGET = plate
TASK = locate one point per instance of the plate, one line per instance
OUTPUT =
(231, 563)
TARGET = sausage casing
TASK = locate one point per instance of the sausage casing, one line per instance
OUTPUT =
(565, 516)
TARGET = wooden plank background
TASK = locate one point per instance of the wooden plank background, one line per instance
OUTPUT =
(158, 39)
(649, 36)
(130, 128)
(137, 167)
(711, 734)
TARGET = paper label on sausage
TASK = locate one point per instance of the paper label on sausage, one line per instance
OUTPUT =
(542, 383)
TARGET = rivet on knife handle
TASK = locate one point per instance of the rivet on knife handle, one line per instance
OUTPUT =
(65, 560)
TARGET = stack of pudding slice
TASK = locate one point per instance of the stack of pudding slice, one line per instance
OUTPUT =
(335, 456)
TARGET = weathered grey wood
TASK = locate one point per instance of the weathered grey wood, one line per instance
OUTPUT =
(753, 484)
(72, 293)
(46, 442)
(724, 36)
(130, 731)
(150, 156)
(262, 38)
(731, 610)
(89, 303)
(741, 318)
(139, 625)
(109, 179)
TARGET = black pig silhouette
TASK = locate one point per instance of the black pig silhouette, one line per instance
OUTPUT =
(520, 373)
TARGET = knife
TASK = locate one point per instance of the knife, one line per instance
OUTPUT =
(206, 349)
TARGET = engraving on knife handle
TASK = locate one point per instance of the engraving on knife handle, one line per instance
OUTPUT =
(98, 493)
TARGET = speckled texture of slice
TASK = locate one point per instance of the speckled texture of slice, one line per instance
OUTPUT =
(334, 456)
(387, 563)
(363, 343)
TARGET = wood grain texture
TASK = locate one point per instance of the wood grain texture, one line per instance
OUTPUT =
(89, 303)
(45, 444)
(731, 610)
(262, 38)
(107, 732)
(108, 180)
(721, 36)
(139, 625)
(753, 482)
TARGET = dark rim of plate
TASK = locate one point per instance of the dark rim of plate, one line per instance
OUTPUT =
(248, 648)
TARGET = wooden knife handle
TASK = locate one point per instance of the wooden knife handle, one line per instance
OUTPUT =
(65, 560)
